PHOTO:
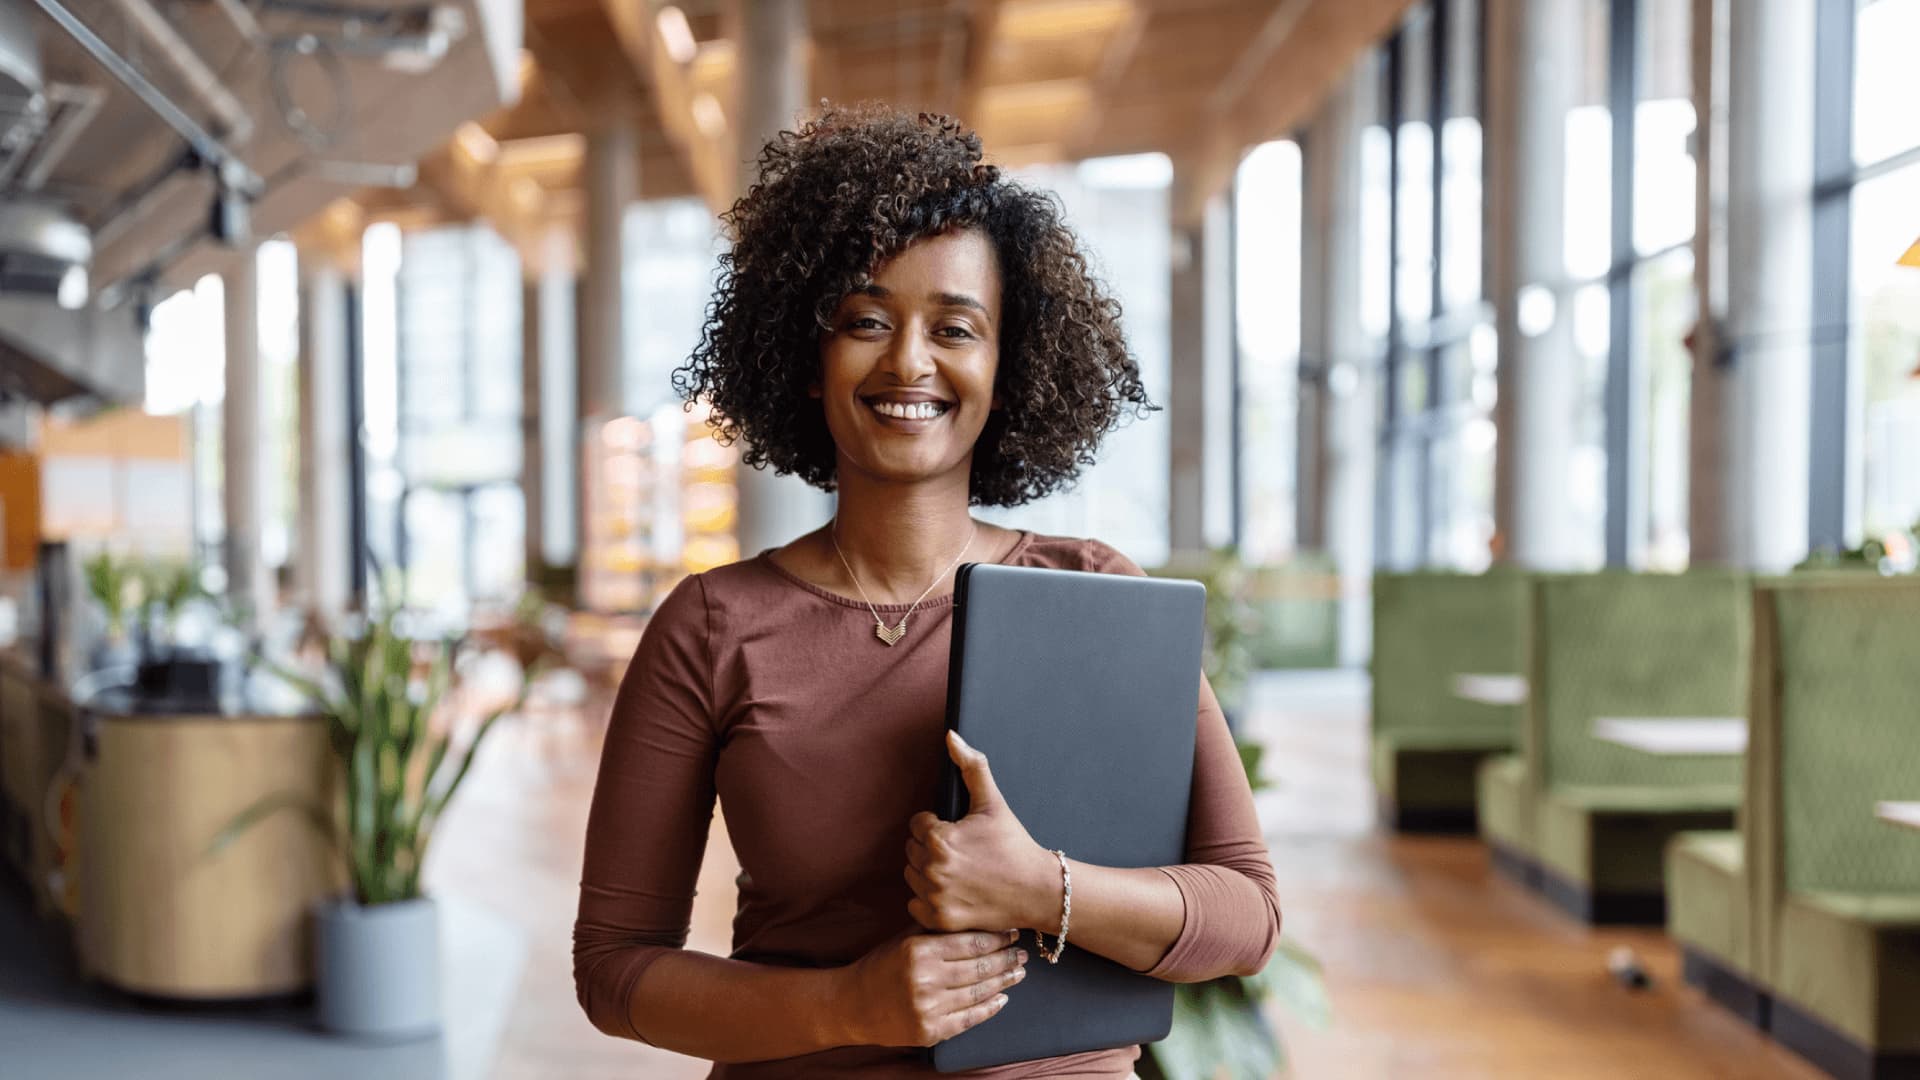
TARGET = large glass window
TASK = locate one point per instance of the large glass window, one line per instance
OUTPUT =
(1886, 345)
(1267, 219)
(1436, 468)
(1119, 209)
(458, 378)
(1877, 194)
(673, 249)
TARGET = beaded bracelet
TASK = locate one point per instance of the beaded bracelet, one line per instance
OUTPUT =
(1066, 913)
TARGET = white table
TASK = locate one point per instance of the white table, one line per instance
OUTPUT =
(1904, 814)
(1675, 736)
(1491, 689)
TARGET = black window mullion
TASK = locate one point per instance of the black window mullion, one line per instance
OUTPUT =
(1385, 465)
(1623, 69)
(1832, 228)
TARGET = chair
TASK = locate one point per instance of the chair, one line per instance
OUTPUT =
(1837, 893)
(1590, 821)
(1427, 743)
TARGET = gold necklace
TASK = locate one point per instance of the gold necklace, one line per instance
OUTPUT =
(892, 634)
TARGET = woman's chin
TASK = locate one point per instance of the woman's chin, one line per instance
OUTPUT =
(907, 469)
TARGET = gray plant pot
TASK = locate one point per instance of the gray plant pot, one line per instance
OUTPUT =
(377, 969)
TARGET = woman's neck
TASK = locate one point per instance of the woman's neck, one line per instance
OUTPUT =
(899, 536)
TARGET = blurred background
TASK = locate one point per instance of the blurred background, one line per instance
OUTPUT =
(1542, 386)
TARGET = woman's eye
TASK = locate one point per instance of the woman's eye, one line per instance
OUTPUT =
(957, 332)
(866, 322)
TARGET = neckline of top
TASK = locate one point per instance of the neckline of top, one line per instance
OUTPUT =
(765, 558)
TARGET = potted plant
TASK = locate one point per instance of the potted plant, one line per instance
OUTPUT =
(383, 692)
(114, 586)
(1221, 1022)
(166, 668)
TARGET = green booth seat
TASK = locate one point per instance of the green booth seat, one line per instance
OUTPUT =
(1427, 742)
(1589, 821)
(1837, 893)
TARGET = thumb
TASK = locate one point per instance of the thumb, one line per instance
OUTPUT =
(982, 792)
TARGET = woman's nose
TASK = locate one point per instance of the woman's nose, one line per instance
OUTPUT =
(908, 357)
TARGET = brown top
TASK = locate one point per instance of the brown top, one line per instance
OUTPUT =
(771, 692)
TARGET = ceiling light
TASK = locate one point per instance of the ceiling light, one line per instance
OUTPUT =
(675, 34)
(707, 115)
(479, 145)
(72, 294)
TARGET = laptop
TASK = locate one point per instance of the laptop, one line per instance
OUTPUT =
(1082, 689)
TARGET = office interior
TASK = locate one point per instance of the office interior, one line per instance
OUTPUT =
(1541, 406)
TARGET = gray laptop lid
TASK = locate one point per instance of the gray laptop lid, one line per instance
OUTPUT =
(1082, 690)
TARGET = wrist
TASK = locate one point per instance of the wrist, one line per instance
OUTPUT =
(1048, 894)
(837, 1019)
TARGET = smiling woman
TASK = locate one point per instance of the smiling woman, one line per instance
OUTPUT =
(900, 324)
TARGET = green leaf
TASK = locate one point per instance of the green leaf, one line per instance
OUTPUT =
(1295, 979)
(266, 807)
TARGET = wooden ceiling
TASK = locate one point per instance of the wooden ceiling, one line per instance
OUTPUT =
(1041, 80)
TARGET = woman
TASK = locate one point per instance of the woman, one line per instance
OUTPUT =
(900, 324)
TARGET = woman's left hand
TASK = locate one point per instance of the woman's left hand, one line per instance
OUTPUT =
(982, 872)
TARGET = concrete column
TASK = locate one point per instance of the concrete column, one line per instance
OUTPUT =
(1707, 525)
(534, 450)
(613, 183)
(772, 90)
(240, 444)
(1766, 422)
(1532, 60)
(1338, 384)
(1200, 296)
(323, 563)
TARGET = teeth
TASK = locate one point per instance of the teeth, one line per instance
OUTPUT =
(923, 410)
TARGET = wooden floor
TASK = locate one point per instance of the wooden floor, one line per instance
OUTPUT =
(1438, 968)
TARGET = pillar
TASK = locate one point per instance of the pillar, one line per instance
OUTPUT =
(772, 91)
(241, 450)
(550, 462)
(613, 183)
(1766, 435)
(323, 559)
(1339, 358)
(1200, 298)
(1532, 60)
(1707, 526)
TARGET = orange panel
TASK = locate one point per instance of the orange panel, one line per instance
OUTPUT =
(20, 506)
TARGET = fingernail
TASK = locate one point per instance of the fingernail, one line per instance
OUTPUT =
(1013, 935)
(999, 1000)
(1023, 956)
(1019, 973)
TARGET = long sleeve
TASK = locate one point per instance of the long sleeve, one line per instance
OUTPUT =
(652, 807)
(1227, 883)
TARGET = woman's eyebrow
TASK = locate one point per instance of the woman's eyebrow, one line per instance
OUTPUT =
(947, 299)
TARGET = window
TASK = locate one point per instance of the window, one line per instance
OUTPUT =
(1886, 347)
(1119, 209)
(1868, 422)
(458, 381)
(1267, 219)
(672, 251)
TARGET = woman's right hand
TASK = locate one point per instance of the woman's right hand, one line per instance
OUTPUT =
(917, 988)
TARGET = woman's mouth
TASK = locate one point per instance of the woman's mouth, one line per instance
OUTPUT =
(908, 413)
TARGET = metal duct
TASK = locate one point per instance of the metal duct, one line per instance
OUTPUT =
(19, 52)
(40, 247)
(231, 117)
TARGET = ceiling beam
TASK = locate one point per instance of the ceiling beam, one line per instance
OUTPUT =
(1299, 52)
(702, 139)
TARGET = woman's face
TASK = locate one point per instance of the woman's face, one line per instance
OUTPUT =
(907, 372)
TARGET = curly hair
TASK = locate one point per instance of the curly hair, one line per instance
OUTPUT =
(837, 199)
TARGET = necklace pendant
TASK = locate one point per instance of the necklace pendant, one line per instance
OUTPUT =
(889, 634)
